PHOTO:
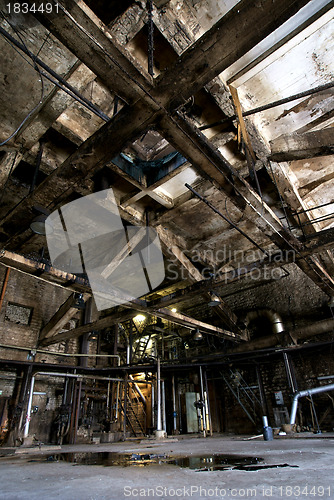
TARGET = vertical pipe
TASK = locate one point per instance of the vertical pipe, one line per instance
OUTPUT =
(125, 405)
(158, 396)
(127, 352)
(290, 373)
(117, 398)
(108, 397)
(261, 390)
(152, 404)
(22, 398)
(84, 339)
(203, 399)
(174, 406)
(77, 412)
(163, 400)
(4, 286)
(208, 401)
(26, 427)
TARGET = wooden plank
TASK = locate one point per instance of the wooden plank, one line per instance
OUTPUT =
(120, 316)
(94, 153)
(8, 162)
(211, 164)
(223, 309)
(243, 27)
(244, 133)
(79, 29)
(62, 316)
(123, 253)
(298, 146)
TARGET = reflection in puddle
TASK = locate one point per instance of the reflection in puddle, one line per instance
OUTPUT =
(217, 462)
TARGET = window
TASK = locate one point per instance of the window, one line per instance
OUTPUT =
(16, 313)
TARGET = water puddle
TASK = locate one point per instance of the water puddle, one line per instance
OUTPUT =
(217, 462)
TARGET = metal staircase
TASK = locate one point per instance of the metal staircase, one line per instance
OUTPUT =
(135, 412)
(244, 394)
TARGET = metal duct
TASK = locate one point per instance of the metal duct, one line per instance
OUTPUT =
(305, 332)
(307, 392)
(274, 318)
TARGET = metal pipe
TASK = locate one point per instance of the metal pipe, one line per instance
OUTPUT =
(117, 399)
(208, 401)
(152, 405)
(77, 96)
(163, 400)
(273, 316)
(78, 376)
(299, 333)
(203, 400)
(272, 104)
(135, 383)
(307, 392)
(125, 405)
(77, 411)
(53, 353)
(4, 286)
(216, 211)
(158, 396)
(174, 405)
(31, 393)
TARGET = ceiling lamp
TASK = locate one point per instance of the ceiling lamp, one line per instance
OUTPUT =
(79, 303)
(37, 225)
(214, 303)
(197, 335)
(139, 318)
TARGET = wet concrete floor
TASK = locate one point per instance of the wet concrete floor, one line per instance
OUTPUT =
(216, 467)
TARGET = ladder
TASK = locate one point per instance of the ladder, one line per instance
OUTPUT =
(244, 394)
(135, 412)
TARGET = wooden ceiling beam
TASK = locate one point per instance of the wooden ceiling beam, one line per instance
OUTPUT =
(62, 316)
(299, 146)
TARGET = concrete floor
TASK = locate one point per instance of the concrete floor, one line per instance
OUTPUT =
(23, 479)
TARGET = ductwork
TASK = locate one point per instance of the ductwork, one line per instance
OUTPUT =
(324, 326)
(274, 318)
(302, 394)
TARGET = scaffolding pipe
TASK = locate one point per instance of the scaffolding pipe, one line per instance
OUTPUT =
(307, 392)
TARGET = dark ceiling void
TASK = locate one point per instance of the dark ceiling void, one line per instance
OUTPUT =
(108, 10)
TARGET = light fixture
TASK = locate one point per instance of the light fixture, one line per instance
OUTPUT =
(139, 318)
(174, 310)
(79, 303)
(37, 225)
(93, 335)
(214, 302)
(197, 335)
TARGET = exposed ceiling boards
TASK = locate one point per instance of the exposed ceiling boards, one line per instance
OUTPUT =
(280, 76)
(83, 154)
